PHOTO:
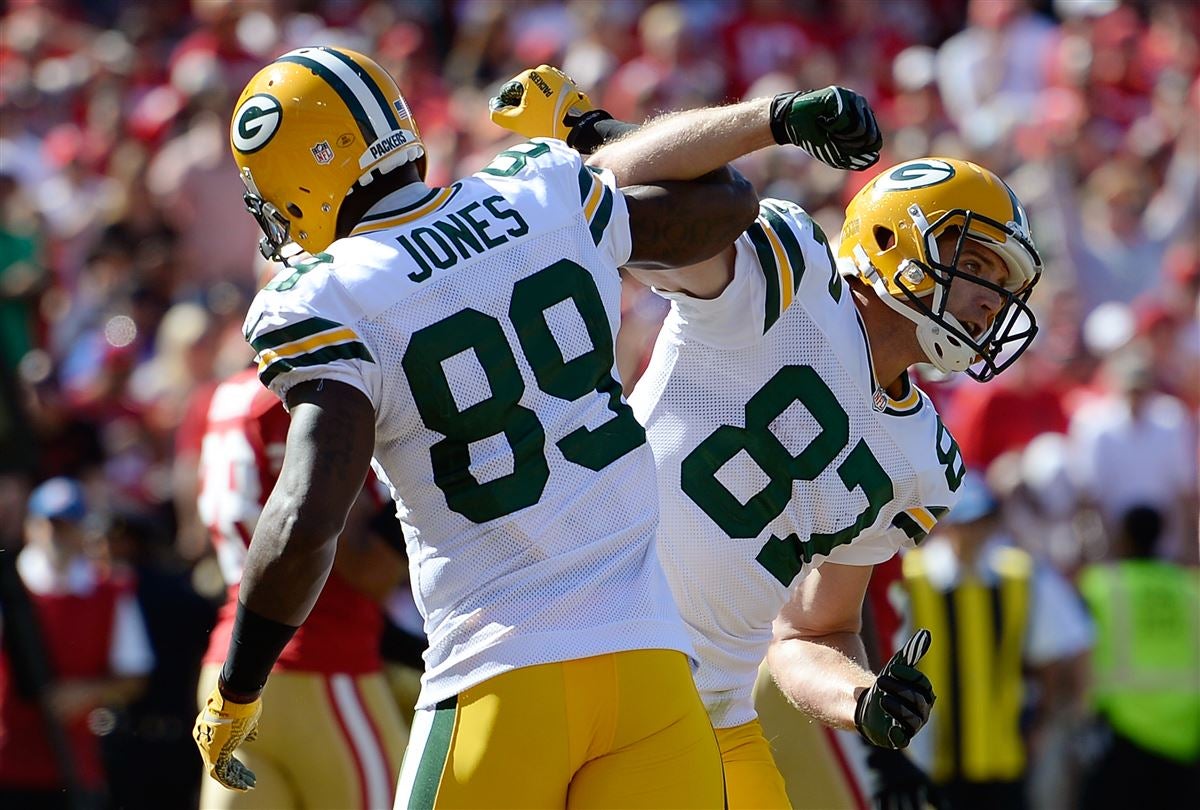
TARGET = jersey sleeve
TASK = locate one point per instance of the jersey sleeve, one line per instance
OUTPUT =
(303, 326)
(940, 473)
(566, 183)
(779, 259)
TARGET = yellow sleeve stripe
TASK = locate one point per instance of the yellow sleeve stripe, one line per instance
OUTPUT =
(268, 356)
(440, 199)
(593, 199)
(783, 263)
(923, 516)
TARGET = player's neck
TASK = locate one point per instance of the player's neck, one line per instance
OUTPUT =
(893, 338)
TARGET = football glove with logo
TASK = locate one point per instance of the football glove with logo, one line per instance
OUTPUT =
(897, 705)
(834, 125)
(221, 727)
(541, 102)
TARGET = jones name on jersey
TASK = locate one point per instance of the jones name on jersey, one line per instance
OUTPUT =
(479, 320)
(776, 448)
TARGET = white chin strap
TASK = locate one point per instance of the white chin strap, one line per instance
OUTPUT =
(945, 352)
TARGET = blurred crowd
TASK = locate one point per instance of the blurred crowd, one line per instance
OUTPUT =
(127, 260)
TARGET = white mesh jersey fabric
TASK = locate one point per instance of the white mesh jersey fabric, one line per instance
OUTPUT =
(517, 558)
(747, 396)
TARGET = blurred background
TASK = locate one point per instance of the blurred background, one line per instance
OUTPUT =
(127, 263)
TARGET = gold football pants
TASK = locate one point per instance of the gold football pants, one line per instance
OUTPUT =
(619, 730)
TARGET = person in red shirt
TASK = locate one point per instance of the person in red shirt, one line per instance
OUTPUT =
(93, 649)
(333, 736)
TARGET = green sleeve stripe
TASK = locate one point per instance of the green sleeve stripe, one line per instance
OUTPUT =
(326, 354)
(835, 283)
(905, 523)
(938, 512)
(433, 755)
(294, 331)
(770, 271)
(791, 245)
(585, 184)
(602, 216)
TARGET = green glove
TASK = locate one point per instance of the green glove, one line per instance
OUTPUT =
(897, 705)
(834, 125)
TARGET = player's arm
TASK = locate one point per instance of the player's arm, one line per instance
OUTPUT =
(818, 660)
(834, 125)
(674, 170)
(329, 445)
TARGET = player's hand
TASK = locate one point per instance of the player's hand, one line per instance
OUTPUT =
(896, 783)
(897, 705)
(541, 102)
(222, 726)
(834, 125)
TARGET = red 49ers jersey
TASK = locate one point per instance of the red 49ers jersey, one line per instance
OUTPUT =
(240, 459)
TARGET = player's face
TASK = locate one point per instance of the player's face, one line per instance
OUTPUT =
(975, 305)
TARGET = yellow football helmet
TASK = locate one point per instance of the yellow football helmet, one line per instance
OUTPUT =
(309, 129)
(890, 235)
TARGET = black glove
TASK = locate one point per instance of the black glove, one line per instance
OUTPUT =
(834, 125)
(897, 705)
(896, 783)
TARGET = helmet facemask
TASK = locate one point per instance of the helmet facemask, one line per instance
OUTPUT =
(946, 342)
(275, 226)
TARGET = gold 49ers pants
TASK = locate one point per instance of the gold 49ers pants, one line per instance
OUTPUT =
(822, 769)
(324, 741)
(623, 730)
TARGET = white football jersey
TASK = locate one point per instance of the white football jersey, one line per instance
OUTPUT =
(479, 320)
(776, 450)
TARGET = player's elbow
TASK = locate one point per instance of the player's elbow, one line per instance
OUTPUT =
(732, 205)
(679, 224)
(300, 526)
(743, 204)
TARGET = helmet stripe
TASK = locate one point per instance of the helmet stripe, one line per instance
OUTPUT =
(357, 111)
(356, 88)
(389, 112)
(353, 77)
(1018, 211)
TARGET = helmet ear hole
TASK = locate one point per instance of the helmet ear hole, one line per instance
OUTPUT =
(295, 211)
(884, 238)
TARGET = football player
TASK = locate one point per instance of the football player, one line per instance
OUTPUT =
(328, 684)
(463, 337)
(793, 450)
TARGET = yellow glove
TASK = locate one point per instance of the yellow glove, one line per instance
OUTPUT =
(542, 102)
(221, 727)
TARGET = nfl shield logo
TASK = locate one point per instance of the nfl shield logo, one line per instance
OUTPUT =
(879, 400)
(323, 152)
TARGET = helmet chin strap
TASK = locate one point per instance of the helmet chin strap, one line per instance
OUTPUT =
(944, 351)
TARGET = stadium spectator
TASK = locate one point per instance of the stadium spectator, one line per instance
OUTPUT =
(1151, 439)
(91, 639)
(996, 611)
(1146, 672)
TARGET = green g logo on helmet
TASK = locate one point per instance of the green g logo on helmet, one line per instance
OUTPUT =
(255, 123)
(916, 174)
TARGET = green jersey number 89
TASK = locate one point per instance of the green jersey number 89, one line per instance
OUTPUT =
(501, 413)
